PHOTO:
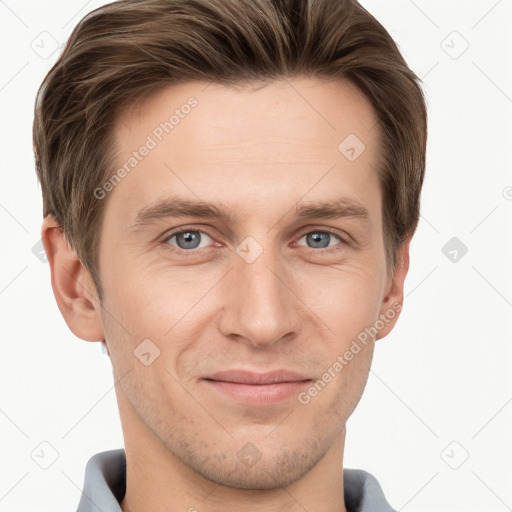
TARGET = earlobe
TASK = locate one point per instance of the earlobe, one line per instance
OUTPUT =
(76, 298)
(394, 296)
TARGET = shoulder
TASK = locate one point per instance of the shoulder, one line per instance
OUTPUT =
(363, 492)
(104, 482)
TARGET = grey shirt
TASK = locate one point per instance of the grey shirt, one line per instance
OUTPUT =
(105, 486)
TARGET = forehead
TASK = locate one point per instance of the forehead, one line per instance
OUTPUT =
(248, 147)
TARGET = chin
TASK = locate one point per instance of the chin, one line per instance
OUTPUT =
(263, 475)
(250, 469)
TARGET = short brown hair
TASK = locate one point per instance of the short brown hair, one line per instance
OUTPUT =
(129, 48)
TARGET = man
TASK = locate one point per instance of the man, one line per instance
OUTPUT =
(230, 188)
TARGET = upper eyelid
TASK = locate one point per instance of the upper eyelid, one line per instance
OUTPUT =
(184, 230)
(321, 231)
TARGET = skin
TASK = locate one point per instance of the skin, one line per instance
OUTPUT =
(258, 153)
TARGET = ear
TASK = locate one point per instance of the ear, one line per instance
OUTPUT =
(72, 284)
(394, 293)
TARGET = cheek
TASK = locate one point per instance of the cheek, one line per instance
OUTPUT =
(347, 362)
(150, 298)
(347, 299)
(348, 306)
(166, 307)
(354, 376)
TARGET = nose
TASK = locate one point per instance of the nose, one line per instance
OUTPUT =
(260, 305)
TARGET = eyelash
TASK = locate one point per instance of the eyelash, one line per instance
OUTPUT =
(196, 229)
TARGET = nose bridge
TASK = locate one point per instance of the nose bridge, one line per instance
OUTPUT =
(261, 307)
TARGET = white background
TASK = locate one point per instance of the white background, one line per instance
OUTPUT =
(440, 388)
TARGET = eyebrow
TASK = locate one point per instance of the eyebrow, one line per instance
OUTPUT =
(177, 207)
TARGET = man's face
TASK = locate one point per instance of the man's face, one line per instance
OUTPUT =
(262, 290)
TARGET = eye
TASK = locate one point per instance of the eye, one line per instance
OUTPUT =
(322, 239)
(187, 239)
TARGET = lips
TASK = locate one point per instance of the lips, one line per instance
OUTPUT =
(255, 389)
(254, 378)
